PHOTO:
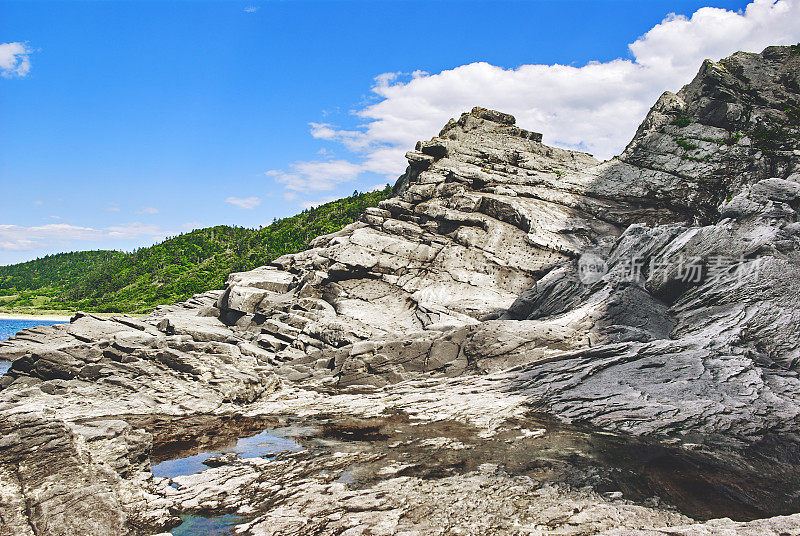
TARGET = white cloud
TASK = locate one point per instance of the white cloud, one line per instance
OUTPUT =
(20, 238)
(247, 203)
(595, 108)
(316, 175)
(17, 238)
(14, 60)
(133, 230)
(112, 207)
(147, 210)
(352, 139)
(251, 9)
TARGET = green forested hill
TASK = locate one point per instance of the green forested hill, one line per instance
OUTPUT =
(112, 281)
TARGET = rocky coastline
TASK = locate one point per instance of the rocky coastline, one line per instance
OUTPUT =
(522, 340)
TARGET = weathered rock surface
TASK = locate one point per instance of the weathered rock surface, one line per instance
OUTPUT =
(464, 302)
(776, 526)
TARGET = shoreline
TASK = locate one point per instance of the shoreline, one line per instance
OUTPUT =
(22, 316)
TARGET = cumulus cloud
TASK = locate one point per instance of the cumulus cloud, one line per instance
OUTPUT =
(21, 238)
(14, 60)
(246, 203)
(314, 176)
(133, 230)
(594, 108)
(352, 139)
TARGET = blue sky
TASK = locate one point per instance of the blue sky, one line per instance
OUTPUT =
(124, 122)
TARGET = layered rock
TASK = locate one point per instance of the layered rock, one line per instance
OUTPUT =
(465, 299)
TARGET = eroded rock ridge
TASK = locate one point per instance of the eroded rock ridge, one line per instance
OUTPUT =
(522, 340)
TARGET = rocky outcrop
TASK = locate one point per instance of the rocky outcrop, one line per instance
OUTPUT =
(651, 299)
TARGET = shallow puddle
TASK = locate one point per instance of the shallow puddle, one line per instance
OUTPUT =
(702, 484)
(267, 443)
(206, 526)
(261, 445)
(189, 465)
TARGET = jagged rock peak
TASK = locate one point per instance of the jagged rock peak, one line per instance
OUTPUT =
(486, 119)
(736, 123)
(476, 127)
(493, 115)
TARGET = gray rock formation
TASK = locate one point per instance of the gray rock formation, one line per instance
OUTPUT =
(522, 340)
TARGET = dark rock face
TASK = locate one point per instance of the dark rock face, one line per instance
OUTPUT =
(653, 297)
(734, 125)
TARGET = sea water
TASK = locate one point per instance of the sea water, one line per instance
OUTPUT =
(9, 327)
(266, 444)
